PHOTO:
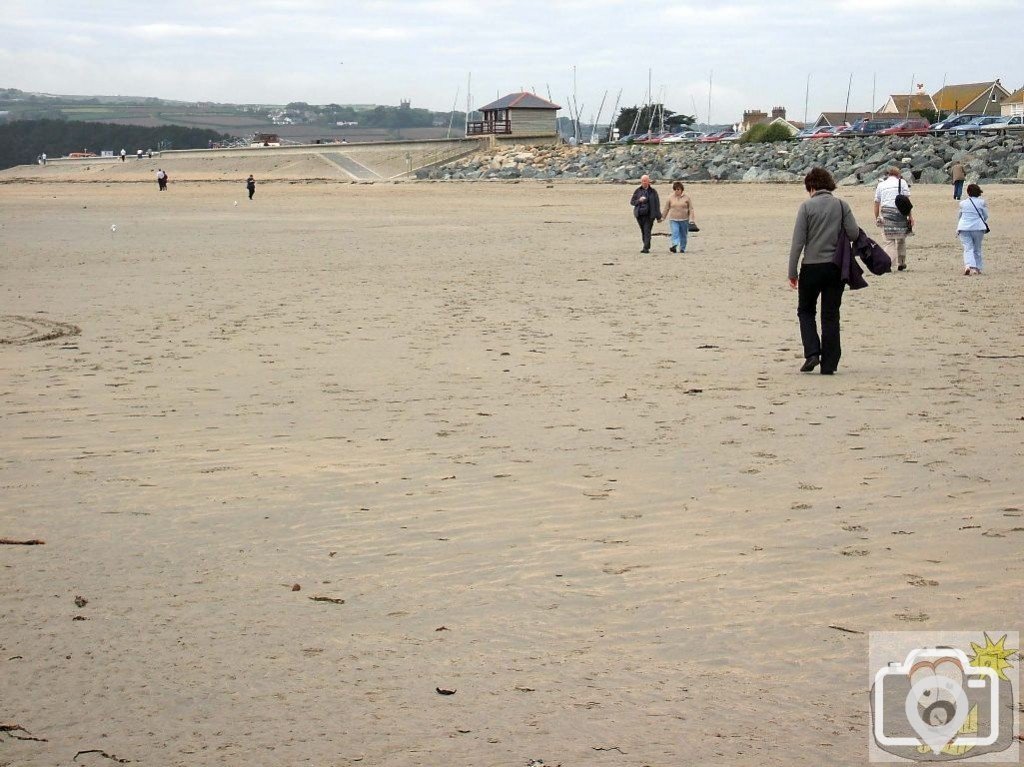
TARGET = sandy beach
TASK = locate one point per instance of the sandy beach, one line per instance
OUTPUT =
(584, 488)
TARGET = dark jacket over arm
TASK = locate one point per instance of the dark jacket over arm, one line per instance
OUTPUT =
(817, 230)
(653, 202)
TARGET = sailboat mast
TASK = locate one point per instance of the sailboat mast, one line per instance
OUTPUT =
(710, 76)
(846, 109)
(807, 97)
(593, 128)
(451, 120)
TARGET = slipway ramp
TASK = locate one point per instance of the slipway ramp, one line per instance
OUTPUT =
(365, 162)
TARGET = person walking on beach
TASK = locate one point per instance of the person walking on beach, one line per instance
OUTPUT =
(161, 180)
(646, 209)
(819, 223)
(959, 176)
(250, 184)
(971, 227)
(896, 225)
(679, 212)
(123, 154)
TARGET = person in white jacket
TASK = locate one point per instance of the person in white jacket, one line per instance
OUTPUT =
(971, 228)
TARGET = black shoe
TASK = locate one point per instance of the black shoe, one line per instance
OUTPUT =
(901, 268)
(645, 250)
(810, 363)
(826, 372)
(672, 249)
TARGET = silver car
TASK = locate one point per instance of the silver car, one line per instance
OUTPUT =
(1005, 125)
(975, 125)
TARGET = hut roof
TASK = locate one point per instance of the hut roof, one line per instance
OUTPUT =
(1017, 97)
(838, 118)
(905, 103)
(954, 96)
(520, 101)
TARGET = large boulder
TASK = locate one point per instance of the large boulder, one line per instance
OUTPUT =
(933, 176)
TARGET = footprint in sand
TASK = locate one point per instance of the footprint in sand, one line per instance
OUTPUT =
(17, 330)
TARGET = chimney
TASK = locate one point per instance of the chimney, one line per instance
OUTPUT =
(778, 112)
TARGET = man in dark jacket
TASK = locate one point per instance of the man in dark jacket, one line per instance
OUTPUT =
(646, 209)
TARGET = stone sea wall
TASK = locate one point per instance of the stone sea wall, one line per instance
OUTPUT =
(925, 159)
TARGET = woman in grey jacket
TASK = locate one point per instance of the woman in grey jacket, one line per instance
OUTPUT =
(818, 224)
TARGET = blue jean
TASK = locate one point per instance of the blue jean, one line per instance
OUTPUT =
(958, 189)
(972, 249)
(680, 231)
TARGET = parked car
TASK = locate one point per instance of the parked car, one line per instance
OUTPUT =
(913, 127)
(1005, 126)
(627, 138)
(975, 125)
(686, 135)
(716, 136)
(805, 133)
(952, 121)
(655, 137)
(827, 131)
(869, 127)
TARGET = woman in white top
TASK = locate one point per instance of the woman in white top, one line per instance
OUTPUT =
(971, 227)
(896, 226)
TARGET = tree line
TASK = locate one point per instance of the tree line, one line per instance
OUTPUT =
(650, 115)
(375, 117)
(22, 141)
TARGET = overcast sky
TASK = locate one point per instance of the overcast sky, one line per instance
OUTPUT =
(276, 51)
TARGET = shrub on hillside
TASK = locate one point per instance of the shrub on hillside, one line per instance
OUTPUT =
(764, 133)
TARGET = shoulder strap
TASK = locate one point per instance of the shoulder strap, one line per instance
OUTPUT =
(842, 219)
(976, 209)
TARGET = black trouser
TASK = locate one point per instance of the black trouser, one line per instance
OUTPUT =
(824, 280)
(252, 191)
(646, 224)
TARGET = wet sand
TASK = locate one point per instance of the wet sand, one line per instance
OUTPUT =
(584, 488)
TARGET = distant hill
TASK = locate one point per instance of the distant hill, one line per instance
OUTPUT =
(297, 121)
(22, 141)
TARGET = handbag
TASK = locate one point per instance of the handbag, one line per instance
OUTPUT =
(903, 203)
(987, 229)
(692, 227)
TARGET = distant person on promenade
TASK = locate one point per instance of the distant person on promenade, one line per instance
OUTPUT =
(971, 228)
(123, 154)
(42, 159)
(646, 209)
(161, 180)
(250, 184)
(138, 154)
(896, 225)
(819, 223)
(679, 213)
(959, 176)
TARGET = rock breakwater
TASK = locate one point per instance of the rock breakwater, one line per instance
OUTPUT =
(926, 159)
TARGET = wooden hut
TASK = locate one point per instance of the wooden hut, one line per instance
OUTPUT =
(517, 114)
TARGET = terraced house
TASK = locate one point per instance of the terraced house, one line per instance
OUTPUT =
(973, 98)
(970, 98)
